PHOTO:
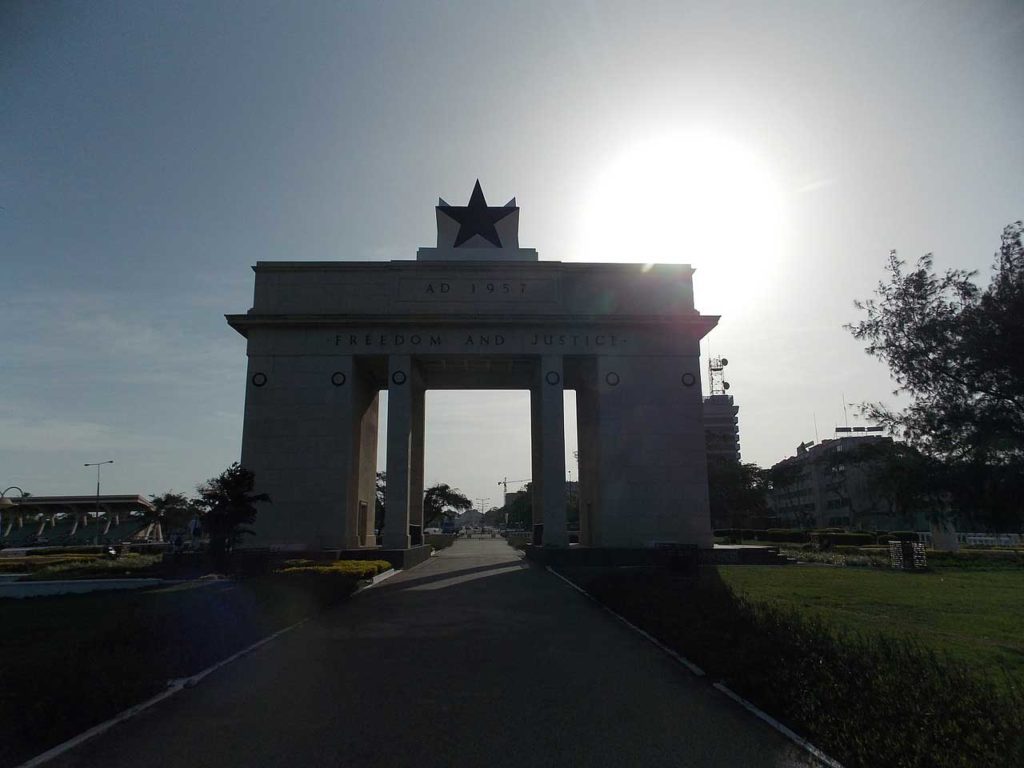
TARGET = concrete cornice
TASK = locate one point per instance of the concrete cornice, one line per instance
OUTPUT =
(461, 266)
(695, 321)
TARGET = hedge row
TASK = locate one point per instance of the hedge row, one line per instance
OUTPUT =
(824, 536)
(358, 569)
(866, 700)
(828, 540)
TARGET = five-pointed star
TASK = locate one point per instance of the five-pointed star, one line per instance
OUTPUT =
(477, 218)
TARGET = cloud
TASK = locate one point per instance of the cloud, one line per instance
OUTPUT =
(19, 435)
(104, 336)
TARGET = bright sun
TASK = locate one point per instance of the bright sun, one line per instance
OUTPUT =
(698, 199)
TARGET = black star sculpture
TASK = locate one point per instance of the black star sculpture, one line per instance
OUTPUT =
(477, 218)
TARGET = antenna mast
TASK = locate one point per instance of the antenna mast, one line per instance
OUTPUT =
(716, 375)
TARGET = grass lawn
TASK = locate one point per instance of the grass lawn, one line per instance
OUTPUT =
(870, 698)
(975, 616)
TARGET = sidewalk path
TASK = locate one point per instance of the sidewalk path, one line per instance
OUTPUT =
(474, 658)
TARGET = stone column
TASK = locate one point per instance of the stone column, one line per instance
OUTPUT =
(400, 421)
(588, 442)
(552, 438)
(537, 464)
(416, 463)
(302, 440)
(364, 505)
(652, 471)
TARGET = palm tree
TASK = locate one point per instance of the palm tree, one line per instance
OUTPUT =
(171, 511)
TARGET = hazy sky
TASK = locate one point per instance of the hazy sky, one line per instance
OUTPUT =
(151, 152)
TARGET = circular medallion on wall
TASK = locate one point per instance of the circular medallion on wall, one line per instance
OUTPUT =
(259, 379)
(612, 379)
(398, 377)
(338, 378)
(552, 377)
(689, 379)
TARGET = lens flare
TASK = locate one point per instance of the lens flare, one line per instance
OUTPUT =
(694, 198)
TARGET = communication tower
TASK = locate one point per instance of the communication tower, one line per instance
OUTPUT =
(716, 375)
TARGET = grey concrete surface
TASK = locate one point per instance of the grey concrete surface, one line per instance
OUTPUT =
(475, 658)
(23, 589)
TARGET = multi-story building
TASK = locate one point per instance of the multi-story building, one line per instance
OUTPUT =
(817, 488)
(721, 419)
(721, 415)
(722, 426)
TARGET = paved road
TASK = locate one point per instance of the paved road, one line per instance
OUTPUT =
(474, 658)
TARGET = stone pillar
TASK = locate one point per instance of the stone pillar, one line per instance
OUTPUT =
(588, 442)
(302, 439)
(551, 390)
(537, 464)
(652, 470)
(399, 456)
(363, 506)
(416, 463)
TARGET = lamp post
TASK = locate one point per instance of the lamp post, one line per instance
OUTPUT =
(6, 502)
(98, 464)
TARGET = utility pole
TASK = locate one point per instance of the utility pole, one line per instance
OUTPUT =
(98, 464)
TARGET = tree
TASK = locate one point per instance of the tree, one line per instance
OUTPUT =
(494, 517)
(227, 503)
(520, 508)
(958, 352)
(442, 500)
(378, 503)
(172, 510)
(735, 491)
(890, 478)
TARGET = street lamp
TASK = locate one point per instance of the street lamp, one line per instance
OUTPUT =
(98, 464)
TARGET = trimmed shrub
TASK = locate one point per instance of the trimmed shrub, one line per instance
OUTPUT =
(829, 539)
(33, 563)
(98, 568)
(518, 540)
(885, 538)
(736, 533)
(788, 535)
(357, 569)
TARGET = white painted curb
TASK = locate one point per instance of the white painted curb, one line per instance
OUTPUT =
(754, 710)
(173, 687)
(384, 576)
(176, 686)
(749, 706)
(650, 638)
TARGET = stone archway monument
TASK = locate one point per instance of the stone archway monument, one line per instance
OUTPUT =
(475, 312)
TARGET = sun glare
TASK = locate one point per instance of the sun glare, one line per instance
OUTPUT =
(697, 199)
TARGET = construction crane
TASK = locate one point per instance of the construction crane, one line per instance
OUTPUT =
(506, 481)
